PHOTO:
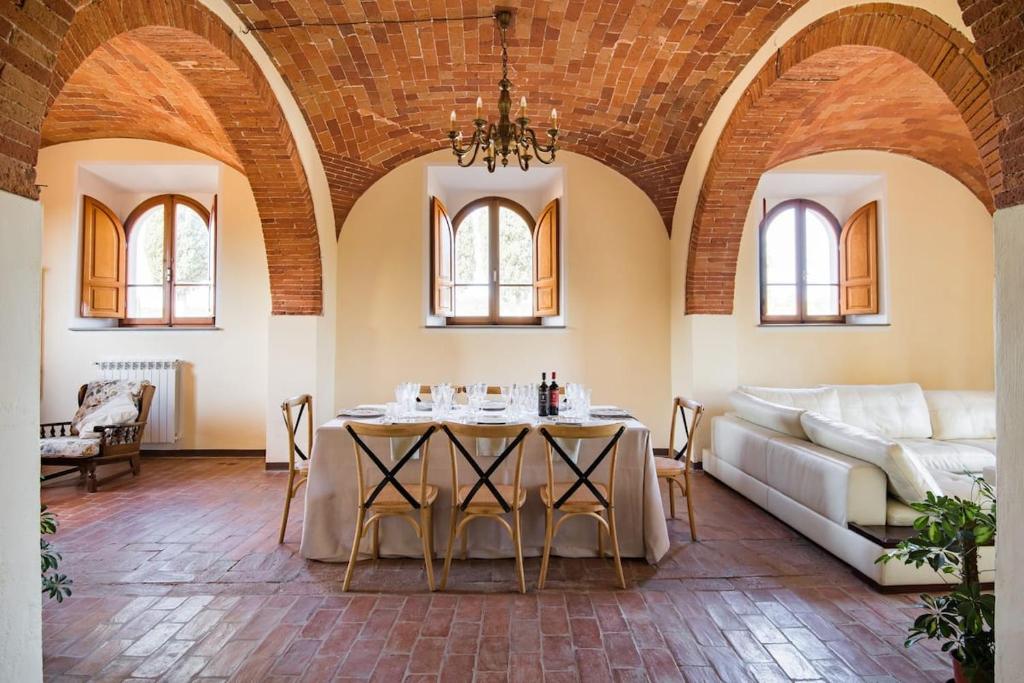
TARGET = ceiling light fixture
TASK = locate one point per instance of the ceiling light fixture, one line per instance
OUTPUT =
(506, 136)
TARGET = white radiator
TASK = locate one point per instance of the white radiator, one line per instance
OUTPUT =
(164, 424)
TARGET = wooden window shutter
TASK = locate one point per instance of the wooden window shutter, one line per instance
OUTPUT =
(442, 260)
(545, 262)
(104, 257)
(858, 262)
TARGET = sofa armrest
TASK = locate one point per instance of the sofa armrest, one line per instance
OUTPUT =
(122, 434)
(51, 429)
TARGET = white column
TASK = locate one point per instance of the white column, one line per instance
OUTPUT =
(20, 602)
(1009, 245)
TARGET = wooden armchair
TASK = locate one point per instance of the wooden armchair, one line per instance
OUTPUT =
(117, 443)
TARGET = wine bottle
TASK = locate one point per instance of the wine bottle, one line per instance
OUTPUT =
(542, 396)
(553, 395)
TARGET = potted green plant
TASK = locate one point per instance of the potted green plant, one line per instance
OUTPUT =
(948, 534)
(56, 586)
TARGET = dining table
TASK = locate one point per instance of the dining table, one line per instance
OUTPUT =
(333, 497)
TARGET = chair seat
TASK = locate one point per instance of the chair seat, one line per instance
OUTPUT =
(69, 447)
(391, 499)
(668, 467)
(581, 500)
(484, 500)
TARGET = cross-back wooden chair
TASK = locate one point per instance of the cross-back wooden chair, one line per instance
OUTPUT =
(389, 497)
(583, 497)
(675, 470)
(482, 498)
(294, 410)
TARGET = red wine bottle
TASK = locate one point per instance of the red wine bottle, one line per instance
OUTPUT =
(553, 395)
(542, 396)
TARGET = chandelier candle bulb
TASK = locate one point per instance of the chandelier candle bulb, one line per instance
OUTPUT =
(554, 118)
(479, 107)
(522, 107)
(453, 119)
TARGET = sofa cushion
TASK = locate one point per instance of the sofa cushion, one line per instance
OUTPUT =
(69, 447)
(824, 400)
(962, 414)
(949, 456)
(834, 485)
(898, 513)
(774, 416)
(742, 444)
(986, 444)
(107, 402)
(897, 411)
(908, 479)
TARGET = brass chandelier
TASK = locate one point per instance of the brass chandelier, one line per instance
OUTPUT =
(506, 136)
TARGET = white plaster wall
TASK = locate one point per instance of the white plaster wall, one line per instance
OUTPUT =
(1009, 249)
(20, 601)
(615, 271)
(224, 384)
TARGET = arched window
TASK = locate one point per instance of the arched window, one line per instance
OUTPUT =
(170, 263)
(494, 275)
(799, 242)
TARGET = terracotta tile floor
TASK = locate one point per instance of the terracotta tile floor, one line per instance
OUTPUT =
(178, 575)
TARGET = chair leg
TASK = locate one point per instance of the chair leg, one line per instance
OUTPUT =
(428, 555)
(465, 542)
(517, 540)
(136, 464)
(287, 505)
(671, 498)
(600, 539)
(548, 531)
(90, 477)
(615, 546)
(689, 507)
(375, 540)
(453, 523)
(354, 556)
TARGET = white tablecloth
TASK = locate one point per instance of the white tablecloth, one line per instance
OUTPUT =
(332, 500)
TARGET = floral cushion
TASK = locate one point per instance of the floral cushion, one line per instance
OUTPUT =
(107, 402)
(69, 447)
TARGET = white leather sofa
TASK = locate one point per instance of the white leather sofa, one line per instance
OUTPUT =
(823, 458)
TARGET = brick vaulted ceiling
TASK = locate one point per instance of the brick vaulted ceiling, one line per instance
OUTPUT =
(877, 76)
(125, 89)
(633, 82)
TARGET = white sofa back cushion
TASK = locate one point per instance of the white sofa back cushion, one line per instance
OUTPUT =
(962, 414)
(908, 479)
(775, 416)
(824, 400)
(897, 411)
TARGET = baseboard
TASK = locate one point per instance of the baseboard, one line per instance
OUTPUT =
(275, 466)
(206, 453)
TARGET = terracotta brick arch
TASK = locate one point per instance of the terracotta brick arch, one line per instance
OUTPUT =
(52, 58)
(847, 81)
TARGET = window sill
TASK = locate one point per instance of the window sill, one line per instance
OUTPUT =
(496, 328)
(800, 325)
(154, 328)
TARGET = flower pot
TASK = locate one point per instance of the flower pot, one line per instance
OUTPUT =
(958, 672)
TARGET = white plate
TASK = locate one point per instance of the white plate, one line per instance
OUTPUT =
(362, 412)
(492, 420)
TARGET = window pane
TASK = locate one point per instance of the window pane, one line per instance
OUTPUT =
(146, 301)
(822, 250)
(515, 247)
(193, 301)
(516, 302)
(146, 248)
(780, 300)
(192, 254)
(822, 300)
(472, 249)
(471, 300)
(780, 248)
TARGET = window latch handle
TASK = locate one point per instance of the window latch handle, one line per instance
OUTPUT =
(494, 275)
(167, 274)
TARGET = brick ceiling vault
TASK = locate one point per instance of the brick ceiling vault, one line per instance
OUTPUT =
(210, 87)
(633, 82)
(876, 76)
